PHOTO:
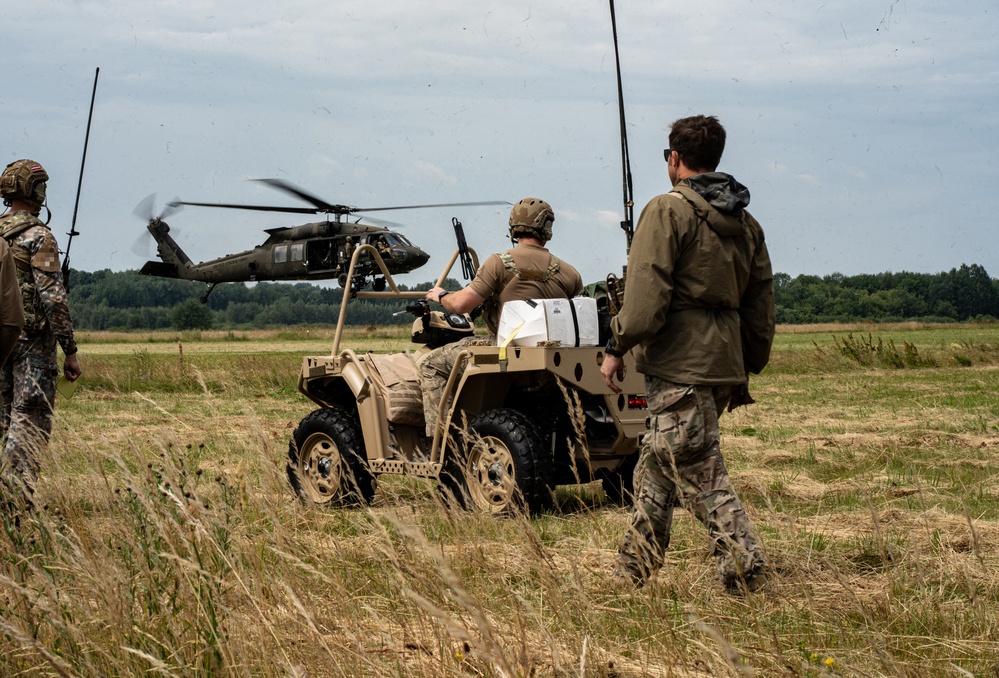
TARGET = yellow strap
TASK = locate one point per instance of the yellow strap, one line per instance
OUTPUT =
(506, 342)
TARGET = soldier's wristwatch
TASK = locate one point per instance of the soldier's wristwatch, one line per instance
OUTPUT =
(611, 349)
(442, 295)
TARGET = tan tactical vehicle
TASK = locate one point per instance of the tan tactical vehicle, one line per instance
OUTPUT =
(517, 420)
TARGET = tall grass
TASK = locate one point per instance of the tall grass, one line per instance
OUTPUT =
(166, 541)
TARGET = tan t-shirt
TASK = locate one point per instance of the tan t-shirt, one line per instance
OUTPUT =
(532, 263)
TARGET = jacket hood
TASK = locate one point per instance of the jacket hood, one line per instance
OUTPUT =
(720, 190)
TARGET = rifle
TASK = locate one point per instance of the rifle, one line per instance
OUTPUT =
(79, 186)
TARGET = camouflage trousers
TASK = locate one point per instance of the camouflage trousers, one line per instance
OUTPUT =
(27, 393)
(435, 369)
(681, 459)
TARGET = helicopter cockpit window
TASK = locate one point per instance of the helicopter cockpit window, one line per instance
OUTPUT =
(280, 254)
(298, 251)
(394, 240)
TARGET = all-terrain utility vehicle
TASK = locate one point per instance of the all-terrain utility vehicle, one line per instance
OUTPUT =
(514, 422)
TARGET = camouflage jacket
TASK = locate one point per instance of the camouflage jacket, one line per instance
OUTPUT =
(42, 292)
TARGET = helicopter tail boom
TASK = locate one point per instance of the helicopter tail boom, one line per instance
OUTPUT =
(175, 263)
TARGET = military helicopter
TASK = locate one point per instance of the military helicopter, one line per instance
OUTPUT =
(315, 251)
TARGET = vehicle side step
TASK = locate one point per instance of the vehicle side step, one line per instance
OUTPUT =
(423, 469)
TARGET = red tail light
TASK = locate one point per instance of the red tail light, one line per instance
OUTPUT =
(637, 402)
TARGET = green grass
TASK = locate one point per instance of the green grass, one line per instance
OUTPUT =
(167, 540)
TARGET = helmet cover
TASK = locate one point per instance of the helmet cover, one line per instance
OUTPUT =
(532, 217)
(24, 180)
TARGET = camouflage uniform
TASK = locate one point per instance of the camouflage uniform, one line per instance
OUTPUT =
(681, 460)
(435, 369)
(28, 378)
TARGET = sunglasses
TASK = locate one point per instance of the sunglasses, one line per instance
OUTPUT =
(666, 152)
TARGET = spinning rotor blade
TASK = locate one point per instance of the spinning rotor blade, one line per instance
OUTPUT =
(143, 246)
(443, 204)
(384, 223)
(258, 208)
(145, 210)
(321, 205)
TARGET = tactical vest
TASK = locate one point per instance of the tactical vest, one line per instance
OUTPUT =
(11, 227)
(491, 306)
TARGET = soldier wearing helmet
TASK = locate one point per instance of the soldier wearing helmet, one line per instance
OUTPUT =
(28, 377)
(526, 271)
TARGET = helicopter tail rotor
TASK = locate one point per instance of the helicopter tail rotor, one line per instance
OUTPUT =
(146, 210)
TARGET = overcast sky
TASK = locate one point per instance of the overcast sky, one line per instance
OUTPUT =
(866, 130)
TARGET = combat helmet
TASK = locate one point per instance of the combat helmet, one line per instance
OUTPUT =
(24, 180)
(532, 217)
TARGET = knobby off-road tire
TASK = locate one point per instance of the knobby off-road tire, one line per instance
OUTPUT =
(326, 460)
(505, 466)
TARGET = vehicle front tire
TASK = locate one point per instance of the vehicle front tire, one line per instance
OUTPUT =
(506, 466)
(327, 462)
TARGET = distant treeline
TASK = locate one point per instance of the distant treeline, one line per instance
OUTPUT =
(965, 293)
(105, 300)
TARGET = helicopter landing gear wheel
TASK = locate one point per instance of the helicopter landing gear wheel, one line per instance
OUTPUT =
(506, 466)
(378, 284)
(342, 280)
(326, 460)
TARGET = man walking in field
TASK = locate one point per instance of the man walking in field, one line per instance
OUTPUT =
(699, 313)
(28, 377)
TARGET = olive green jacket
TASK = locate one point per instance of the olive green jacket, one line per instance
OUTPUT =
(698, 302)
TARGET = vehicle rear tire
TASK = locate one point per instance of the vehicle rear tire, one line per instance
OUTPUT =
(326, 460)
(506, 466)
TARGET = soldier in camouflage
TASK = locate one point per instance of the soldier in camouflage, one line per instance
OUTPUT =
(28, 377)
(699, 314)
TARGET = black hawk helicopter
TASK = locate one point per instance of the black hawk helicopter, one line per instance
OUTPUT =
(313, 251)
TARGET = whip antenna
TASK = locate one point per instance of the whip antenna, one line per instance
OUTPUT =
(629, 202)
(79, 185)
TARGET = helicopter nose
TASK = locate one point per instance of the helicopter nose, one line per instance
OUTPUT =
(419, 257)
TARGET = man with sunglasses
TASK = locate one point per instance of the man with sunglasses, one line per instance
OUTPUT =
(699, 314)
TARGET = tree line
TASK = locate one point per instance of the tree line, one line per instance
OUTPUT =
(965, 293)
(107, 300)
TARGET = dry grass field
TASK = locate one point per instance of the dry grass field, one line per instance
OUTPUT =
(167, 542)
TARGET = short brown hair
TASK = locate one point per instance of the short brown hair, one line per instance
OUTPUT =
(699, 141)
